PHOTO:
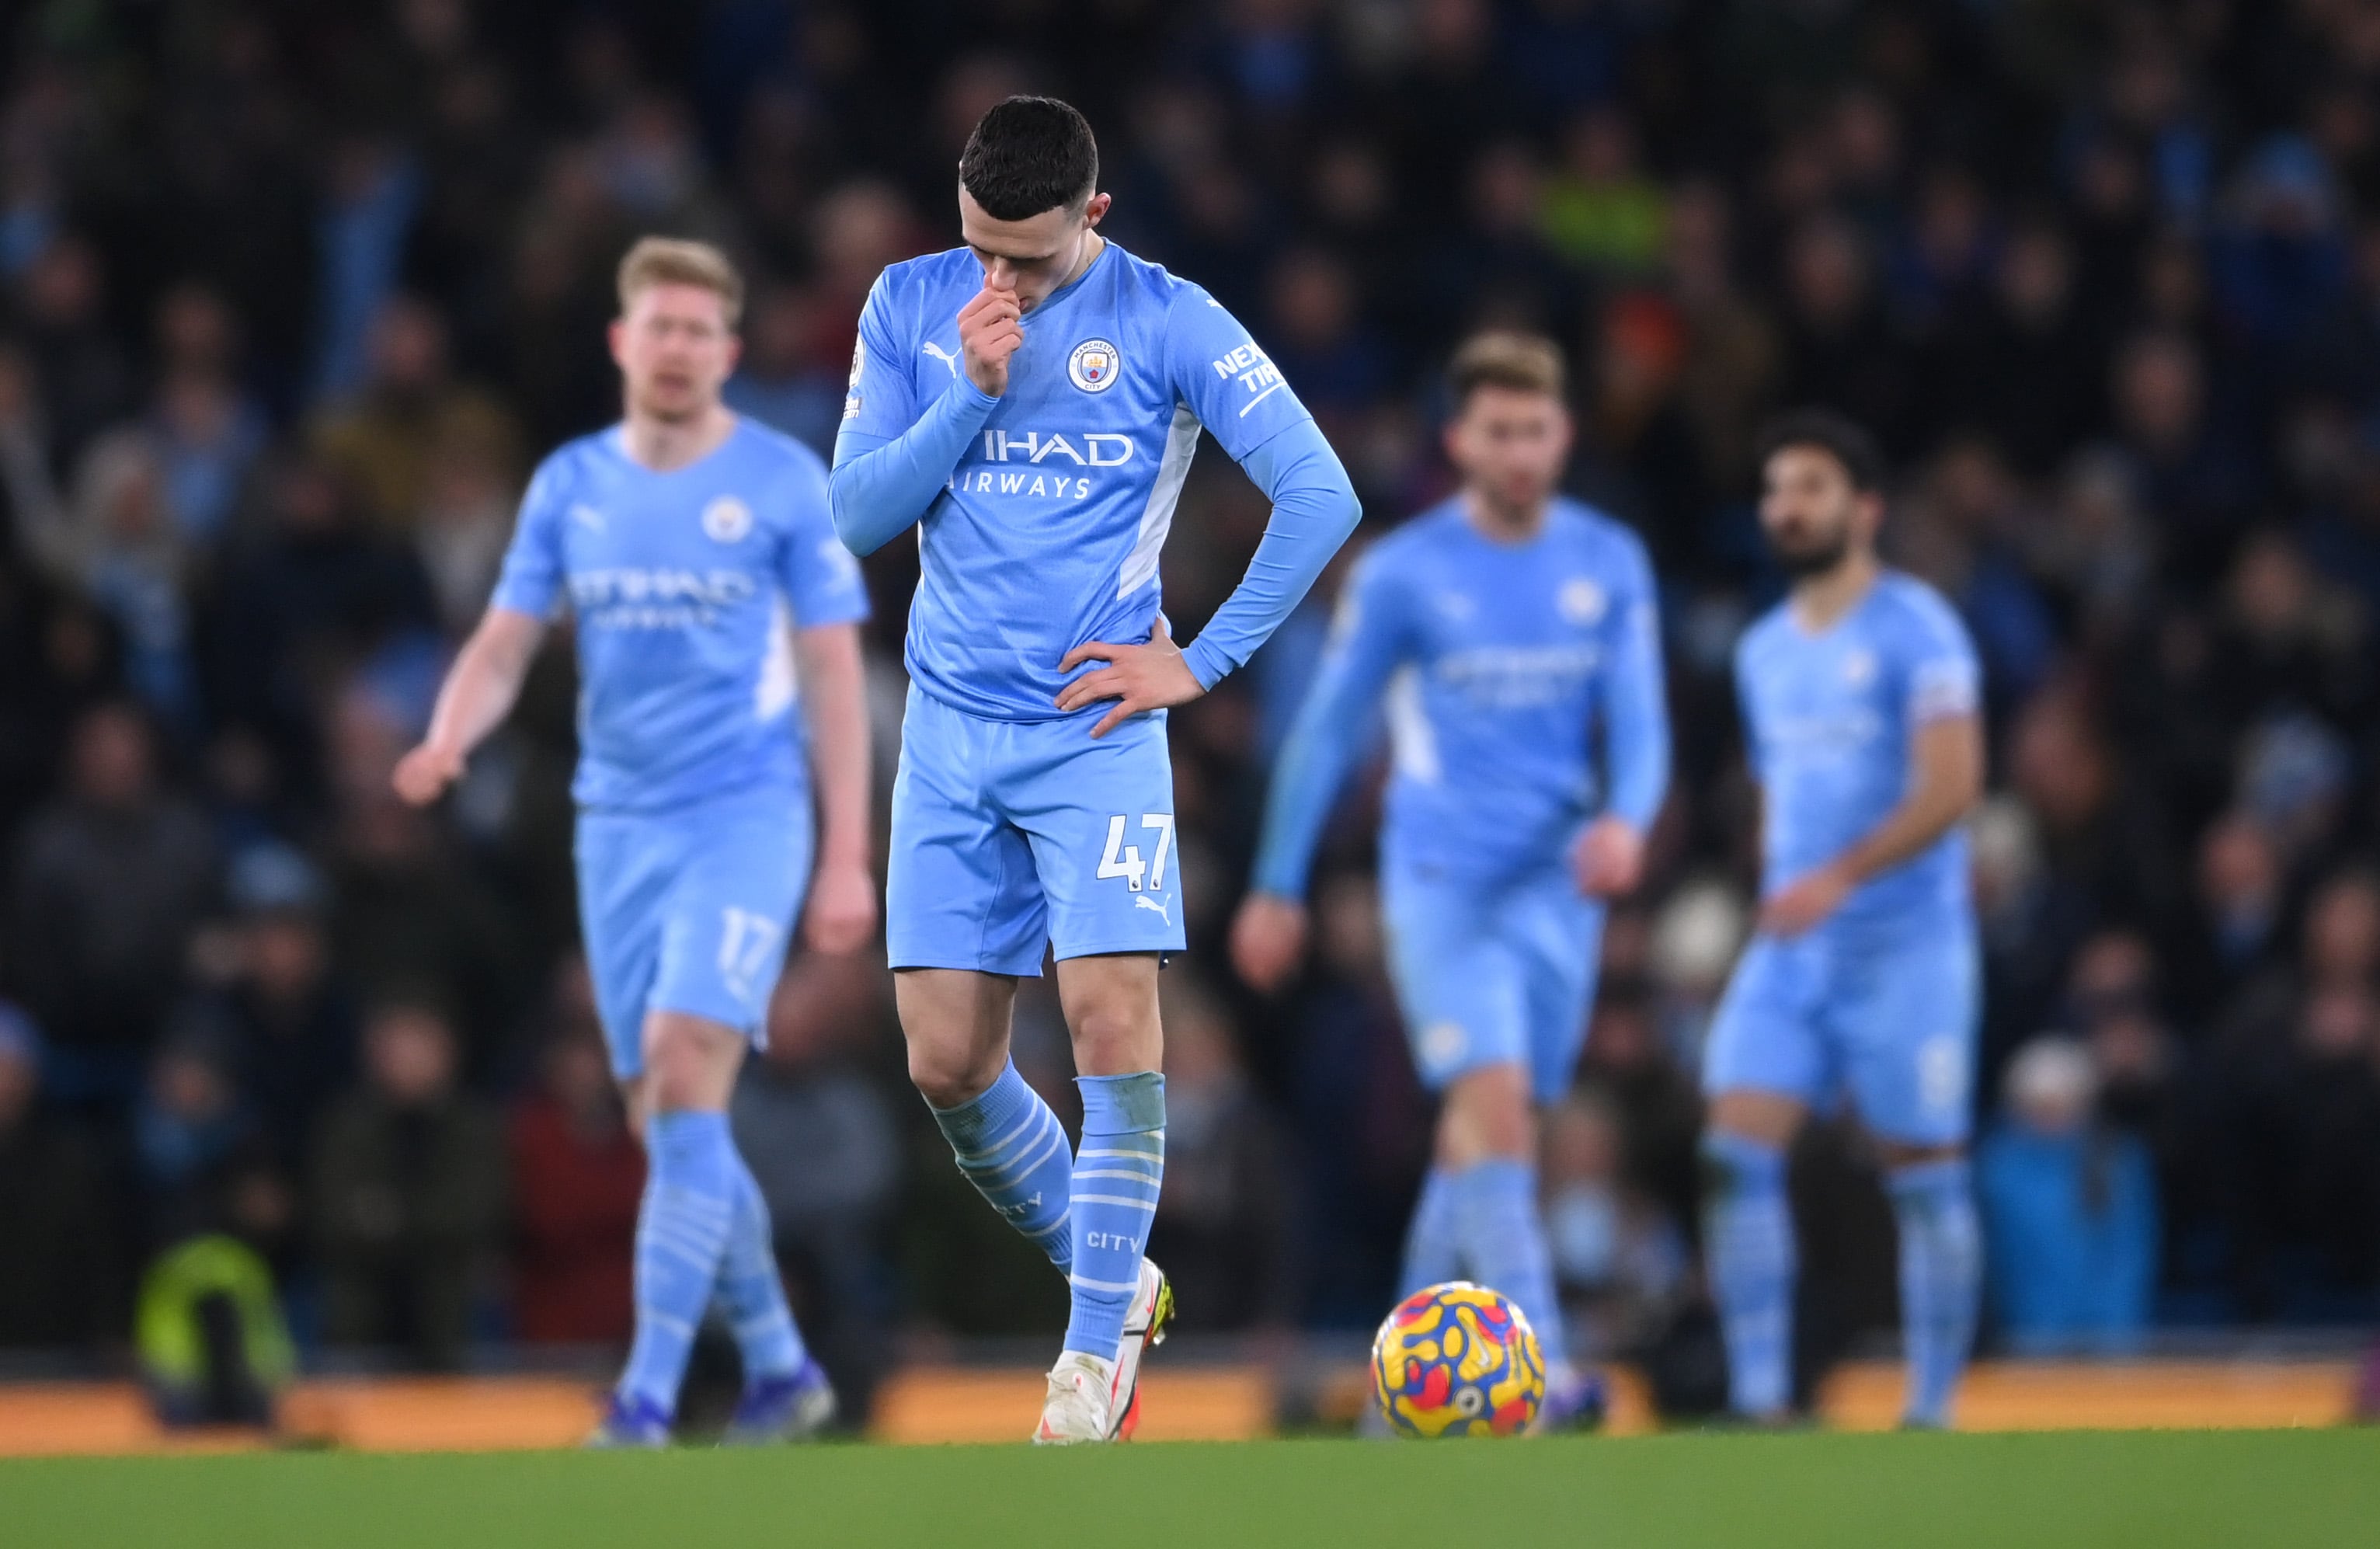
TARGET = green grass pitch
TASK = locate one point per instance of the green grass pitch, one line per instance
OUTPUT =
(2172, 1489)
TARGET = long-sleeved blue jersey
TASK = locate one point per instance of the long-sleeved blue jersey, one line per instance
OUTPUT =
(1505, 664)
(1041, 512)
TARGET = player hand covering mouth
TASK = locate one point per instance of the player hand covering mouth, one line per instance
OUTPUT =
(1030, 403)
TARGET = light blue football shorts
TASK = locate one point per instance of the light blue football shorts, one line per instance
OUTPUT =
(690, 911)
(1010, 837)
(1493, 973)
(1885, 1015)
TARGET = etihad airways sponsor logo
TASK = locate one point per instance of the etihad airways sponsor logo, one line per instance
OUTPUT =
(1041, 463)
(1519, 677)
(1084, 449)
(657, 599)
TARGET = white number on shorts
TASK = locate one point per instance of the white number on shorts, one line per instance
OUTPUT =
(743, 943)
(1164, 824)
(1129, 867)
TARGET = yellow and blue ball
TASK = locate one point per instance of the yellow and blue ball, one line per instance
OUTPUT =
(1457, 1359)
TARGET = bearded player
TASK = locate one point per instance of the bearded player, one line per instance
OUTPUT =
(1030, 403)
(1860, 697)
(712, 601)
(1514, 634)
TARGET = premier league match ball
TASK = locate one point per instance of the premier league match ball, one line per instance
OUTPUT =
(1457, 1359)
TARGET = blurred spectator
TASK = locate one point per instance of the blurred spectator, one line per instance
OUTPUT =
(1601, 211)
(61, 1280)
(1319, 337)
(2239, 884)
(84, 372)
(461, 530)
(2198, 486)
(288, 1016)
(112, 880)
(2069, 1213)
(1361, 1124)
(191, 1131)
(209, 433)
(1657, 1105)
(411, 914)
(820, 1138)
(577, 1175)
(122, 544)
(783, 381)
(408, 1195)
(305, 592)
(1620, 1258)
(407, 407)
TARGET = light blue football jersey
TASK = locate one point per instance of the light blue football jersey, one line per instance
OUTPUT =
(1048, 533)
(685, 587)
(1829, 717)
(1503, 665)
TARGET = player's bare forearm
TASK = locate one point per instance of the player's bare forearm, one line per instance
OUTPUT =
(1945, 777)
(834, 703)
(479, 691)
(842, 913)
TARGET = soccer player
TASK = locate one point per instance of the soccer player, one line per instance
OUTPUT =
(1030, 402)
(710, 598)
(1859, 697)
(1516, 635)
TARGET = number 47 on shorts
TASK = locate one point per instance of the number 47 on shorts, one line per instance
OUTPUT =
(1124, 860)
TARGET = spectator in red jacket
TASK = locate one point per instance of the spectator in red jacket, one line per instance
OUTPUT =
(577, 1175)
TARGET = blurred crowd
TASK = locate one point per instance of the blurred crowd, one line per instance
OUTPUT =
(291, 297)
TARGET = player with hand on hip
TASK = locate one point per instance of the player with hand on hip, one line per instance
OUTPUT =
(711, 600)
(1515, 637)
(1030, 403)
(1860, 696)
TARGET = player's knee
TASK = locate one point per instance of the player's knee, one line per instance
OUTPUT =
(1487, 1114)
(951, 1077)
(688, 1064)
(1116, 1045)
(1115, 1032)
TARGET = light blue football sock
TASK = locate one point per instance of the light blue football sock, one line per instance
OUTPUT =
(1942, 1275)
(1748, 1239)
(1117, 1174)
(682, 1231)
(1433, 1246)
(1503, 1239)
(750, 1291)
(1013, 1149)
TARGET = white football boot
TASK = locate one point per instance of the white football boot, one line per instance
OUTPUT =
(1144, 1324)
(1077, 1410)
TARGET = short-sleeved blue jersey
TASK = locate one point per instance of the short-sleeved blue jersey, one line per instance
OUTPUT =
(685, 587)
(1503, 665)
(1829, 717)
(1048, 531)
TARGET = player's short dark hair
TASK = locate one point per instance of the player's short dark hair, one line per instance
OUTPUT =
(1029, 154)
(1517, 362)
(1840, 436)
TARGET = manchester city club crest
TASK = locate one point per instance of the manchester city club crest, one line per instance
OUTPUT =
(1093, 366)
(727, 519)
(1581, 601)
